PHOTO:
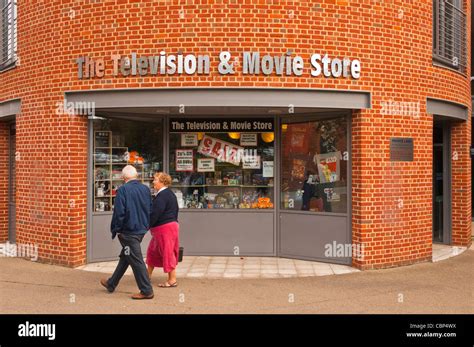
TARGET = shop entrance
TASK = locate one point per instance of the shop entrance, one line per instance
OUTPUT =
(11, 185)
(441, 182)
(314, 209)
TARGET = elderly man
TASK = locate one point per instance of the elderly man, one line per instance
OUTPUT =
(131, 221)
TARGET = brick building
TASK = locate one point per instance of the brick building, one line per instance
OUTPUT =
(352, 120)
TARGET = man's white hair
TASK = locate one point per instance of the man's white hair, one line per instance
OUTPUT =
(129, 172)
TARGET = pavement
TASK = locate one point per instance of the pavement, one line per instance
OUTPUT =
(259, 267)
(433, 287)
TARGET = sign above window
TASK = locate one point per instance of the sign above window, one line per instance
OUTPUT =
(219, 125)
(251, 63)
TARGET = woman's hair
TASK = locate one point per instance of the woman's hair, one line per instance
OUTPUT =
(163, 178)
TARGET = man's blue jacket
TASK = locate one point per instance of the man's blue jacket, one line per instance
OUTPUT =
(131, 209)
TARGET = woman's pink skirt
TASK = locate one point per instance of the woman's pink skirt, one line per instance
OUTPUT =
(163, 250)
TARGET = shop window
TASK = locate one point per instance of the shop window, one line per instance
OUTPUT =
(118, 143)
(8, 33)
(216, 169)
(449, 34)
(314, 165)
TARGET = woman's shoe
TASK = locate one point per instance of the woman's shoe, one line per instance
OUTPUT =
(168, 285)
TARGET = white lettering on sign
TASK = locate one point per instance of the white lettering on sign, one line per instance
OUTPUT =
(220, 150)
(206, 165)
(253, 63)
(184, 160)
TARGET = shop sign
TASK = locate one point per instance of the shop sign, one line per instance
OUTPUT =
(189, 140)
(248, 139)
(401, 149)
(251, 162)
(184, 160)
(220, 150)
(219, 125)
(251, 63)
(206, 165)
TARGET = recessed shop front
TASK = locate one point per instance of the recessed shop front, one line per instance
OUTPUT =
(249, 181)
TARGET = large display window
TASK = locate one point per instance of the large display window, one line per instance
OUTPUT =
(118, 143)
(222, 164)
(314, 165)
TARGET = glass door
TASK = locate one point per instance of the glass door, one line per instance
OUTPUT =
(441, 183)
(314, 201)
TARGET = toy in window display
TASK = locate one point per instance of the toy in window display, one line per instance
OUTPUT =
(101, 157)
(100, 206)
(248, 197)
(101, 190)
(257, 180)
(101, 174)
(209, 199)
(247, 178)
(179, 197)
(134, 158)
(115, 187)
(262, 203)
(197, 179)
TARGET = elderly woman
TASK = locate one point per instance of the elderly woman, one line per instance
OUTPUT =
(163, 250)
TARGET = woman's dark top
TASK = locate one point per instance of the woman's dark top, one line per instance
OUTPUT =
(165, 208)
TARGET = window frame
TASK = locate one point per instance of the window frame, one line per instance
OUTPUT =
(450, 52)
(8, 34)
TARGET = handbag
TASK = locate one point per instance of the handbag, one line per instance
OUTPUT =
(180, 256)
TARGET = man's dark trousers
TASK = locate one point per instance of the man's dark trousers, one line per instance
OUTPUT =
(131, 255)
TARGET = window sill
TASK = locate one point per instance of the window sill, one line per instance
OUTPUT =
(447, 67)
(8, 67)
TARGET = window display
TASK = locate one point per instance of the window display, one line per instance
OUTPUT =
(118, 143)
(222, 169)
(314, 165)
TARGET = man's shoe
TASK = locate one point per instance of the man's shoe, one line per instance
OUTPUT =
(141, 296)
(105, 284)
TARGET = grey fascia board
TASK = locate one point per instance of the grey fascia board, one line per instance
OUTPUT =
(10, 108)
(217, 97)
(446, 108)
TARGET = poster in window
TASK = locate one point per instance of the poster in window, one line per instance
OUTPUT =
(329, 166)
(299, 137)
(189, 140)
(221, 150)
(248, 139)
(184, 160)
(267, 168)
(251, 162)
(298, 169)
(206, 165)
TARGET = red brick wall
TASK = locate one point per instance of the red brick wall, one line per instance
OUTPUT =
(391, 201)
(4, 136)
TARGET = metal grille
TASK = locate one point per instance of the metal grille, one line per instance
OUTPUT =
(8, 33)
(449, 34)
